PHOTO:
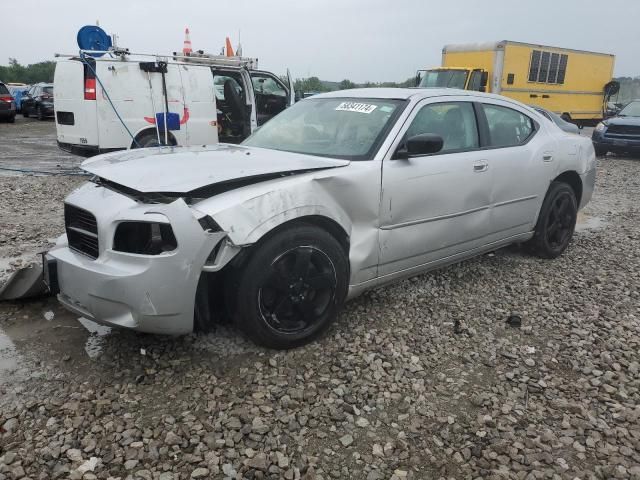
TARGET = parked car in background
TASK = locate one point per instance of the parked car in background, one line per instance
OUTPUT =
(18, 91)
(620, 133)
(558, 120)
(7, 105)
(38, 101)
(340, 193)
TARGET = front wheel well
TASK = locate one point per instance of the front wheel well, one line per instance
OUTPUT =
(572, 179)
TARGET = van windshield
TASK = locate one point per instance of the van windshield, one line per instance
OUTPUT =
(348, 128)
(444, 79)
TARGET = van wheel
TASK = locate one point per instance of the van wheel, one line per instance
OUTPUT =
(556, 222)
(149, 139)
(291, 288)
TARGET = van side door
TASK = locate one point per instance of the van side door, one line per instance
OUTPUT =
(272, 95)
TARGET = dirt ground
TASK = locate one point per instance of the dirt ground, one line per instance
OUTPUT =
(419, 380)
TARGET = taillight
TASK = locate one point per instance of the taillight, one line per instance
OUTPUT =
(89, 88)
(6, 98)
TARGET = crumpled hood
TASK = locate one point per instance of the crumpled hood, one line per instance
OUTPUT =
(184, 169)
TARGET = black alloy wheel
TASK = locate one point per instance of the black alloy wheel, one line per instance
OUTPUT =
(291, 287)
(298, 291)
(556, 222)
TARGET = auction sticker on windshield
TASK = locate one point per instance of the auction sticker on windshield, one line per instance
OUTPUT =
(356, 107)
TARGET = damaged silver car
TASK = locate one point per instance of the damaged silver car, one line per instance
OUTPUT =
(340, 193)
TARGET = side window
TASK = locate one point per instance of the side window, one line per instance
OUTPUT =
(267, 85)
(507, 127)
(475, 82)
(271, 96)
(455, 122)
(218, 85)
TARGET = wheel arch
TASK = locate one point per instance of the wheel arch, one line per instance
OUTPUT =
(572, 179)
(325, 223)
(151, 130)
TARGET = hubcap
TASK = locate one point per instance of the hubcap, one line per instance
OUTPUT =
(298, 289)
(560, 221)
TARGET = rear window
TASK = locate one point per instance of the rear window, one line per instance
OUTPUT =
(48, 90)
(3, 89)
(507, 127)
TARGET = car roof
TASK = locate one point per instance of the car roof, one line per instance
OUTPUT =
(407, 93)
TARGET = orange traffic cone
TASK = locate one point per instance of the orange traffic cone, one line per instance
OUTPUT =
(186, 49)
(229, 48)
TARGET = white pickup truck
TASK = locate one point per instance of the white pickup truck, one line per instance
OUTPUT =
(119, 100)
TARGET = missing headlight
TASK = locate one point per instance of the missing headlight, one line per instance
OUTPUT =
(145, 238)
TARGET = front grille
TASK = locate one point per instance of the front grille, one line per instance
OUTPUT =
(623, 130)
(82, 230)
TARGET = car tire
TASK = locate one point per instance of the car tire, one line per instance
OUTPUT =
(556, 222)
(25, 112)
(566, 117)
(600, 151)
(291, 287)
(11, 119)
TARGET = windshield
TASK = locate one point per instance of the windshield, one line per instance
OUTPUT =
(631, 110)
(47, 90)
(349, 128)
(444, 78)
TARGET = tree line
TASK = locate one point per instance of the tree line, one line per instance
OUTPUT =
(29, 74)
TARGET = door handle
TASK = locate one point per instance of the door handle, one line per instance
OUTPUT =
(480, 166)
(547, 157)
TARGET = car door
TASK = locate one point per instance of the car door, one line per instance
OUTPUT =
(522, 159)
(272, 96)
(437, 205)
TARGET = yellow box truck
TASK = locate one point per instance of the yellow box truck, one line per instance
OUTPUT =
(572, 83)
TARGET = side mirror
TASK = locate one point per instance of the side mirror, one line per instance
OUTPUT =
(423, 144)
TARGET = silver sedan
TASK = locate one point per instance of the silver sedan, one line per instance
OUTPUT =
(338, 194)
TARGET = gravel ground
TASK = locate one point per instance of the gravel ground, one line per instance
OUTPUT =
(419, 380)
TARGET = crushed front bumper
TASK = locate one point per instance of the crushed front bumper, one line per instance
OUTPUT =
(148, 293)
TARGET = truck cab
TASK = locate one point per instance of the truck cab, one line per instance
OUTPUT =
(453, 77)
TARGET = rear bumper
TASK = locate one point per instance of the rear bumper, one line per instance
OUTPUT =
(148, 293)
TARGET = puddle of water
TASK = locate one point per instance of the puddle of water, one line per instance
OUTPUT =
(588, 222)
(97, 332)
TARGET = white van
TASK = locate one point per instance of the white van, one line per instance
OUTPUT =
(118, 102)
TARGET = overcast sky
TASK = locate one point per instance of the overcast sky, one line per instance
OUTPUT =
(360, 40)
